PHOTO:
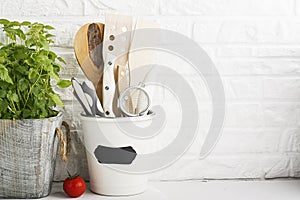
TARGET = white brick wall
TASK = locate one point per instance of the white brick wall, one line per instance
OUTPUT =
(255, 45)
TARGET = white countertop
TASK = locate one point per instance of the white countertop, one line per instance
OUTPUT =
(212, 190)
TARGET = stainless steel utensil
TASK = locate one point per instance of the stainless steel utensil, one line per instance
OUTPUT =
(87, 97)
(80, 96)
(91, 95)
(139, 98)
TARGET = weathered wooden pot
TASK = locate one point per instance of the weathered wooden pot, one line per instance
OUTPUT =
(28, 151)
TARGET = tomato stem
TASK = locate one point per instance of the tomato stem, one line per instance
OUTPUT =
(71, 177)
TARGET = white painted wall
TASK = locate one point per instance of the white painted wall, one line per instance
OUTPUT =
(255, 45)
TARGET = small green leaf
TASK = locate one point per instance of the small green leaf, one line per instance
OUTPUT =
(32, 73)
(14, 23)
(45, 45)
(56, 99)
(12, 97)
(54, 76)
(15, 97)
(3, 105)
(23, 84)
(41, 59)
(56, 68)
(9, 80)
(51, 55)
(25, 23)
(50, 41)
(49, 27)
(26, 113)
(36, 90)
(2, 93)
(49, 35)
(64, 83)
(30, 62)
(61, 60)
(21, 34)
(4, 74)
(4, 21)
(22, 69)
(51, 103)
(20, 53)
(2, 59)
(4, 85)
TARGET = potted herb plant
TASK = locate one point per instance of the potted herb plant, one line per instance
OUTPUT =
(29, 118)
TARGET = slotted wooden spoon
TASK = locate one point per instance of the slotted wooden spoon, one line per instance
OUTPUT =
(88, 51)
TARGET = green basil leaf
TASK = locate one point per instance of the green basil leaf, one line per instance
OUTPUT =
(26, 113)
(14, 23)
(2, 93)
(36, 90)
(49, 27)
(64, 83)
(54, 76)
(4, 74)
(25, 23)
(13, 97)
(3, 105)
(23, 84)
(49, 35)
(56, 99)
(61, 60)
(32, 73)
(51, 55)
(4, 21)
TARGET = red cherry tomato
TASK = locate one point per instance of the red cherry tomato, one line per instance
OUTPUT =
(74, 186)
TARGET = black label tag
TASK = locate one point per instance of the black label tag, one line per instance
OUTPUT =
(110, 155)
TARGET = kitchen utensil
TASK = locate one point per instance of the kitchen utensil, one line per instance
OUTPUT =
(92, 98)
(88, 51)
(139, 97)
(115, 52)
(109, 86)
(123, 70)
(124, 80)
(148, 85)
(140, 57)
(124, 75)
(87, 97)
(80, 96)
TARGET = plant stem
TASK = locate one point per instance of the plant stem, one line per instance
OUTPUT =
(30, 90)
(13, 108)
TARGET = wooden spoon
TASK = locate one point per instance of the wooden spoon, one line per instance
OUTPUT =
(88, 51)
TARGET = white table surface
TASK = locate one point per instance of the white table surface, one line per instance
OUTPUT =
(203, 190)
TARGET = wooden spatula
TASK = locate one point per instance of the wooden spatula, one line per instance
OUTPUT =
(141, 57)
(88, 51)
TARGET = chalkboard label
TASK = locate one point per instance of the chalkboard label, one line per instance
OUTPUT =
(110, 155)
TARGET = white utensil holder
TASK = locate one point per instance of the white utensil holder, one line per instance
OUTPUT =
(104, 179)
